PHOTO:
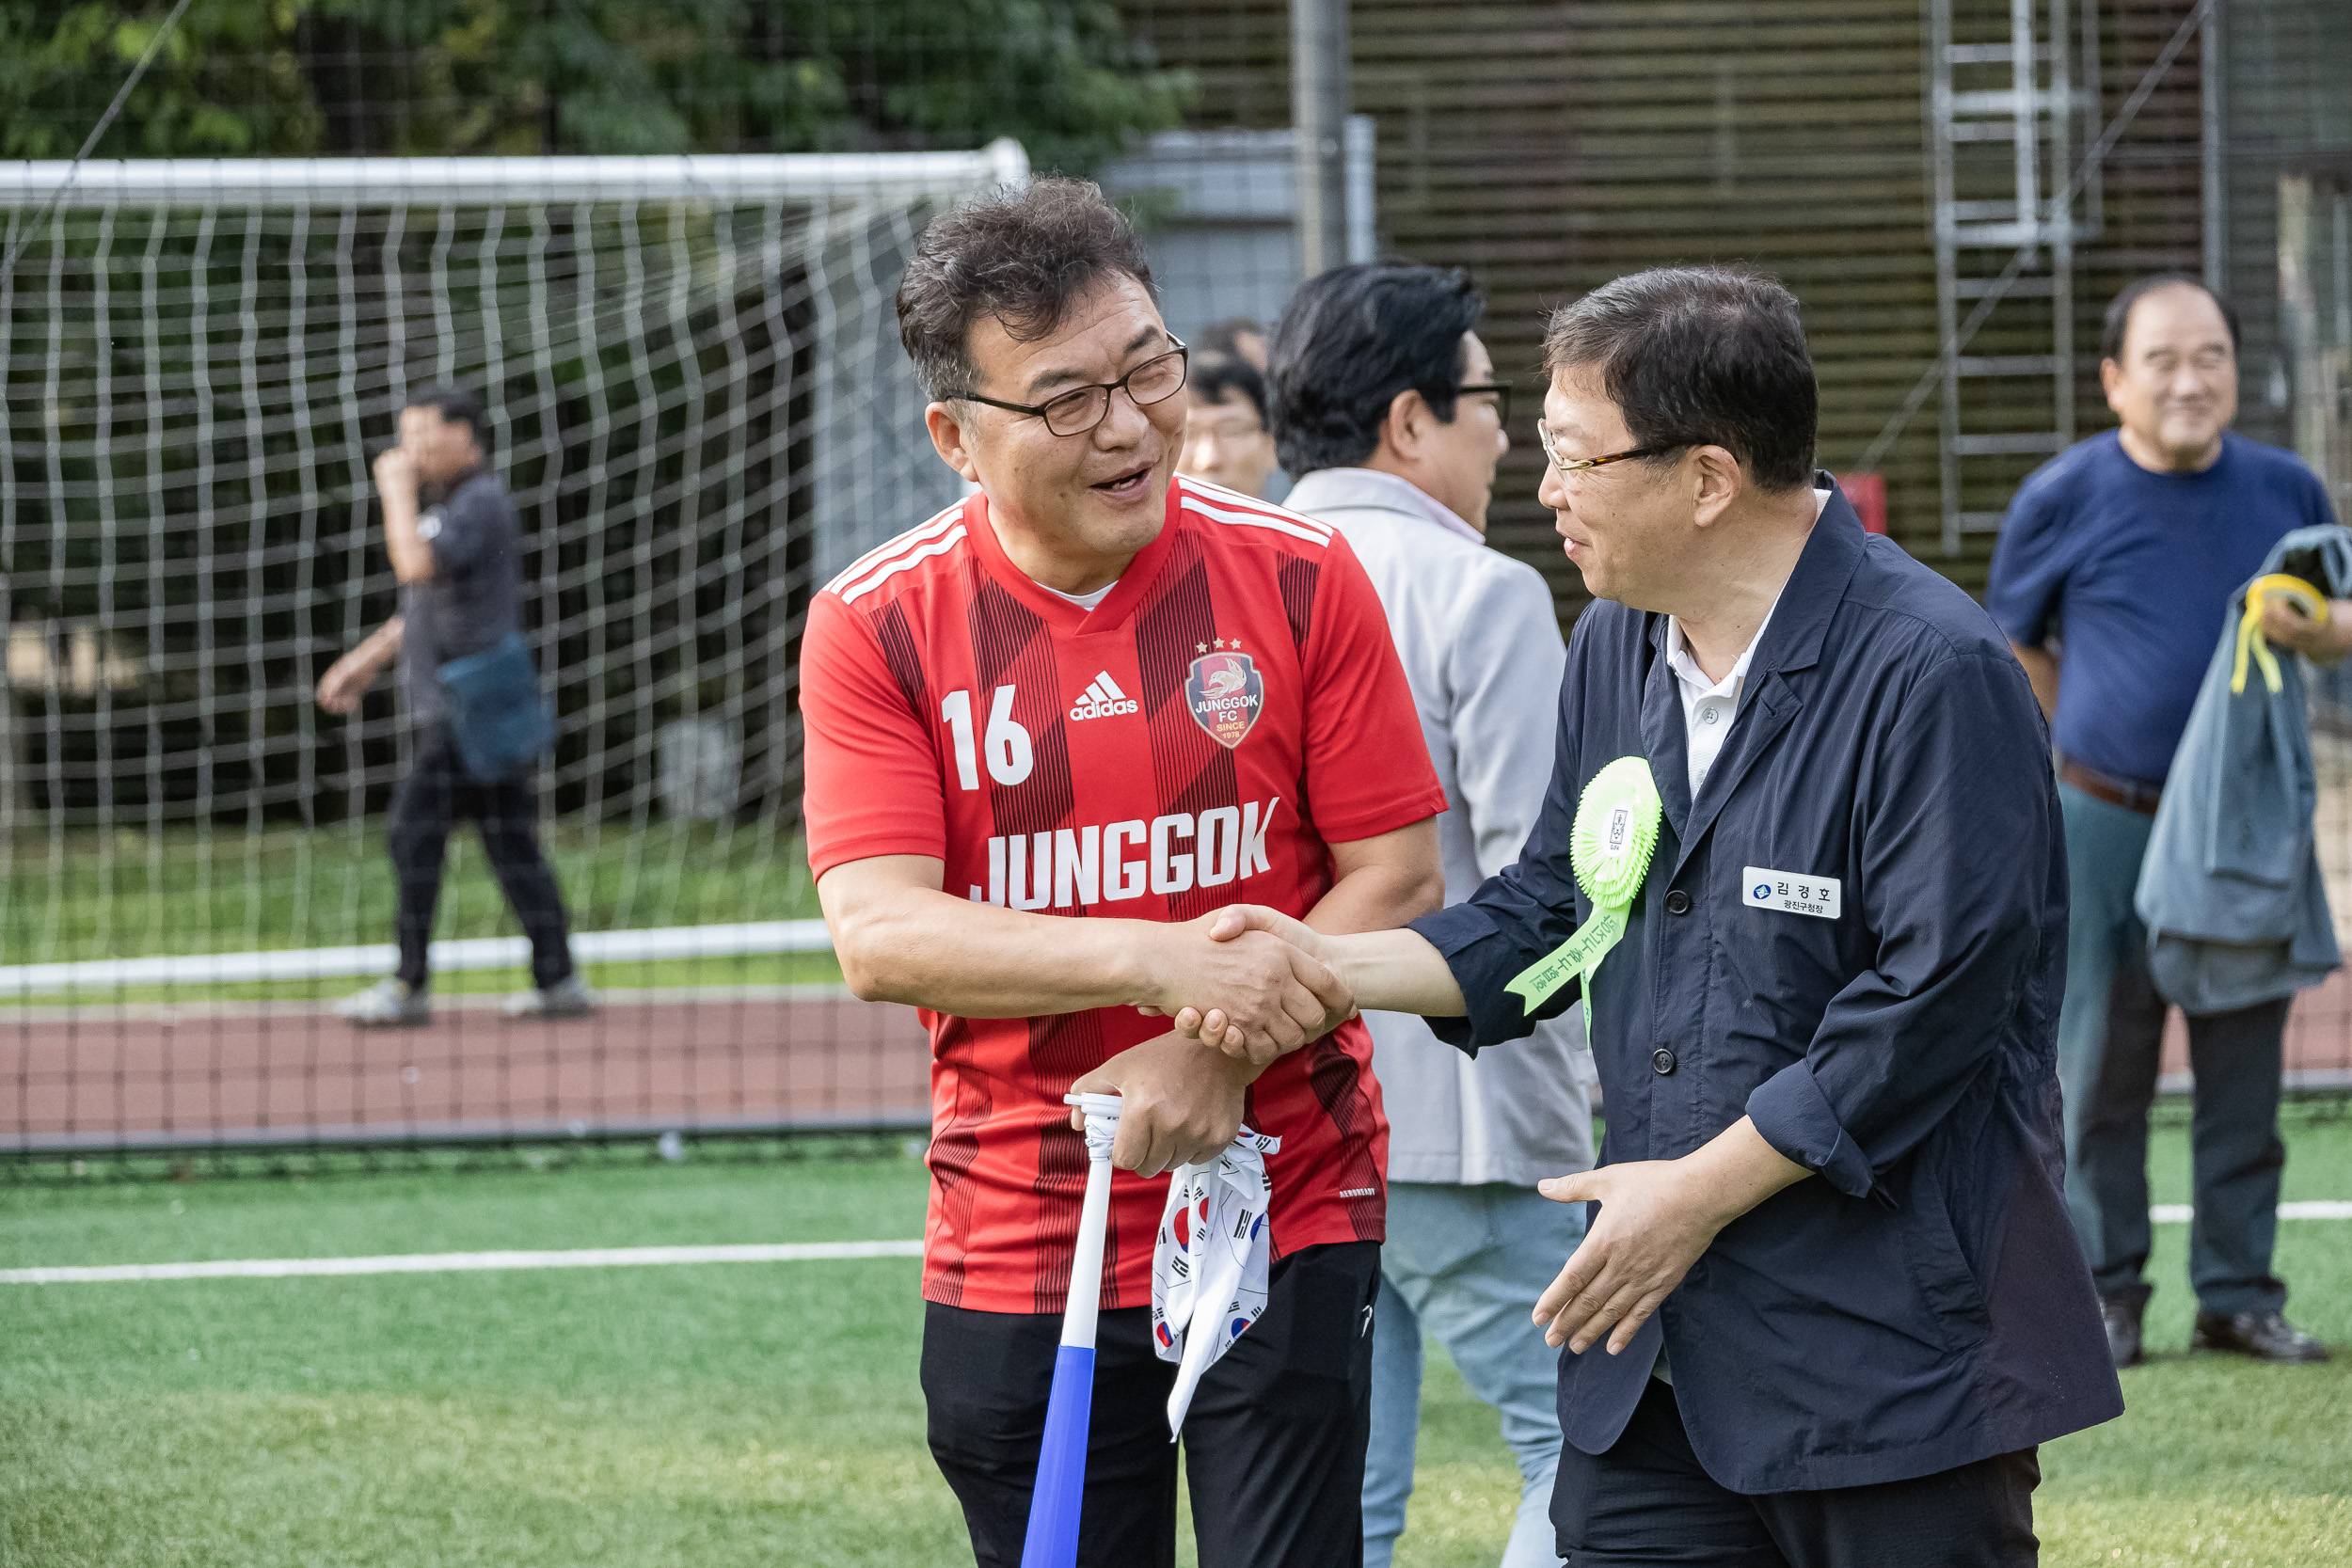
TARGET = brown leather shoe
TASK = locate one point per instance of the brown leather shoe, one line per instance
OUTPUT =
(2264, 1336)
(2121, 1316)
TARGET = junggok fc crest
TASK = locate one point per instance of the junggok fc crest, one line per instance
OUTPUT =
(1226, 695)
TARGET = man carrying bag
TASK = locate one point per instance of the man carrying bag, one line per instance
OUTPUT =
(478, 722)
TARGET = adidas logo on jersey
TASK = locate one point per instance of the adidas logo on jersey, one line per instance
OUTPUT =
(1102, 699)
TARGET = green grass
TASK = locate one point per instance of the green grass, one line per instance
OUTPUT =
(765, 1414)
(93, 895)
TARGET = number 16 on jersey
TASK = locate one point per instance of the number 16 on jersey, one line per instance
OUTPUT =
(1006, 744)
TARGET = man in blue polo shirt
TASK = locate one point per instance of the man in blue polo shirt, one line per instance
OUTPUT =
(2116, 568)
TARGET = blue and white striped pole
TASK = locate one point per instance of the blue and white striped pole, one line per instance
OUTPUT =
(1062, 1463)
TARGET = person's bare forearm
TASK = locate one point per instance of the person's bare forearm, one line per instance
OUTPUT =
(347, 679)
(1380, 882)
(1376, 898)
(412, 554)
(383, 646)
(1394, 972)
(932, 949)
(1735, 1170)
(2041, 672)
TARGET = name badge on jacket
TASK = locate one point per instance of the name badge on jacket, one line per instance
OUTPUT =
(1789, 892)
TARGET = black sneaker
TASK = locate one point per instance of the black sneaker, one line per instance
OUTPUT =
(2264, 1336)
(2121, 1316)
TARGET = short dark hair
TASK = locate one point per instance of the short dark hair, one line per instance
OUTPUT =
(1225, 337)
(2119, 311)
(455, 406)
(1349, 341)
(1700, 357)
(1021, 254)
(1212, 375)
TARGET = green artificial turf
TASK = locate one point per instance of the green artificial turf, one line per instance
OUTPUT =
(730, 1413)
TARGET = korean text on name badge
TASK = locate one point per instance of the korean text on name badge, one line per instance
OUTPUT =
(1789, 892)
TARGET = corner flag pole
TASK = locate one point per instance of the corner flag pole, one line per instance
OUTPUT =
(1062, 1463)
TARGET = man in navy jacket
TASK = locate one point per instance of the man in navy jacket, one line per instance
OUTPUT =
(1830, 1301)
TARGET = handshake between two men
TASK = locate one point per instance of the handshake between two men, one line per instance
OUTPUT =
(1260, 988)
(1240, 986)
(1276, 985)
(1244, 985)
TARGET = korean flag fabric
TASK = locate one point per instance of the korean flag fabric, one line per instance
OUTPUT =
(1209, 1266)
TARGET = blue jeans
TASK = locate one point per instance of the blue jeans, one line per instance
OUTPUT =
(2110, 1034)
(1466, 1263)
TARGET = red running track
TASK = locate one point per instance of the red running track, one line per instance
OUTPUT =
(100, 1077)
(103, 1077)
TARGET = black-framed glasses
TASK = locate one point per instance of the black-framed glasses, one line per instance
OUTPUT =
(1500, 390)
(1579, 464)
(1077, 411)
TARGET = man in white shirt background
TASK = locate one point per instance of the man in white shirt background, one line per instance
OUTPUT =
(1386, 405)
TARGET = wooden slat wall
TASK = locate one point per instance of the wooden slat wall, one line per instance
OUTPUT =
(1548, 147)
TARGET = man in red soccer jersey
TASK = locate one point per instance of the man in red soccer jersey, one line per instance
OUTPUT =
(1049, 733)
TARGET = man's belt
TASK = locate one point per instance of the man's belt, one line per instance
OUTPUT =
(2115, 792)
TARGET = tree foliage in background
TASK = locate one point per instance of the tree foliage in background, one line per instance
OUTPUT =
(250, 77)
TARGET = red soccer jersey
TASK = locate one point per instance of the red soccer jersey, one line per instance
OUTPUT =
(1194, 741)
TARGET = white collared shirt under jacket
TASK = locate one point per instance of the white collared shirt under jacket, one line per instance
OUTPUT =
(1481, 645)
(1710, 707)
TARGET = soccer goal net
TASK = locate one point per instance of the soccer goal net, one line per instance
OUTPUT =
(699, 404)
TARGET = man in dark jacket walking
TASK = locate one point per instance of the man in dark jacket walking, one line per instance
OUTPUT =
(460, 570)
(1828, 1304)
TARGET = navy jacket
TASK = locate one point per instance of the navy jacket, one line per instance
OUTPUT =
(1922, 1304)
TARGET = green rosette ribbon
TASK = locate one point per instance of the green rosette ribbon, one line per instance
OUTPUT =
(1610, 846)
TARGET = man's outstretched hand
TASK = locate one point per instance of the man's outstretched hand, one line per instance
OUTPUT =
(1183, 1103)
(1246, 925)
(1264, 990)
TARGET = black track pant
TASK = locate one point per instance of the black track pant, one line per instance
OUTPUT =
(1274, 1443)
(1648, 1502)
(438, 792)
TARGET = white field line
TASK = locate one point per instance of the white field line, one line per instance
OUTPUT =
(2181, 1214)
(641, 1257)
(308, 963)
(462, 1262)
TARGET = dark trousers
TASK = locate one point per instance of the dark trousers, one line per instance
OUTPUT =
(1647, 1501)
(438, 792)
(1274, 1443)
(2110, 1034)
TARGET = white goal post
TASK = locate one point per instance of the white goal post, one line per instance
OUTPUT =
(484, 182)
